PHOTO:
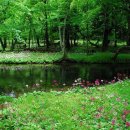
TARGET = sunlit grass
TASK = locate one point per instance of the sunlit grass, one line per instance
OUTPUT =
(36, 57)
(29, 57)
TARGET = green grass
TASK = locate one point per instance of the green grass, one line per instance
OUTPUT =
(76, 109)
(99, 58)
(36, 57)
(29, 57)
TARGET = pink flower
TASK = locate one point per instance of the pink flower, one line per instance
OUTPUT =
(83, 81)
(54, 81)
(127, 124)
(113, 122)
(118, 99)
(98, 115)
(126, 112)
(113, 81)
(97, 82)
(100, 109)
(92, 99)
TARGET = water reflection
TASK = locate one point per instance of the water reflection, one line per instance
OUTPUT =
(26, 78)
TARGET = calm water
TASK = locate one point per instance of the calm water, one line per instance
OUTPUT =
(25, 78)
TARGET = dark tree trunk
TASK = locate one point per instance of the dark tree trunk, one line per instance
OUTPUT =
(128, 19)
(38, 41)
(46, 28)
(106, 40)
(106, 32)
(75, 37)
(29, 40)
(3, 43)
(67, 37)
(13, 44)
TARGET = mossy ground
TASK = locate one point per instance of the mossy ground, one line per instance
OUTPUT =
(104, 108)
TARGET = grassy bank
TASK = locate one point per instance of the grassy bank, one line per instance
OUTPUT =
(35, 57)
(103, 108)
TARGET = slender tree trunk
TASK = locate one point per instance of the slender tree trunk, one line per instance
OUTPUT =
(106, 33)
(29, 39)
(62, 36)
(64, 41)
(67, 36)
(13, 44)
(46, 28)
(75, 37)
(3, 43)
(115, 38)
(38, 41)
(128, 19)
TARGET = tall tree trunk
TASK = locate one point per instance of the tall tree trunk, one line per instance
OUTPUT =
(75, 37)
(46, 28)
(13, 44)
(38, 41)
(128, 20)
(3, 43)
(29, 39)
(64, 41)
(67, 36)
(106, 33)
(106, 40)
(62, 36)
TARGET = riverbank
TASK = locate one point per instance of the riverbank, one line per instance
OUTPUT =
(44, 58)
(106, 107)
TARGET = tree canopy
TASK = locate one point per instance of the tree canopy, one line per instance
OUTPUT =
(42, 23)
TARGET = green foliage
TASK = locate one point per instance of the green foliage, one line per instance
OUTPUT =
(86, 17)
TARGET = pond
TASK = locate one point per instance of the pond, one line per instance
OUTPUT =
(18, 79)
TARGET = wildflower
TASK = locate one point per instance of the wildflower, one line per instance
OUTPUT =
(126, 112)
(41, 81)
(73, 84)
(127, 124)
(113, 122)
(113, 81)
(100, 109)
(102, 81)
(83, 81)
(75, 81)
(118, 99)
(79, 79)
(97, 82)
(37, 84)
(92, 99)
(99, 115)
(54, 81)
(64, 84)
(26, 85)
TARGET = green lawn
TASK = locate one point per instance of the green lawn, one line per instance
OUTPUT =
(105, 108)
(36, 57)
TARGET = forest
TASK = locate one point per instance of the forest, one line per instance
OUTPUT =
(55, 25)
(64, 64)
